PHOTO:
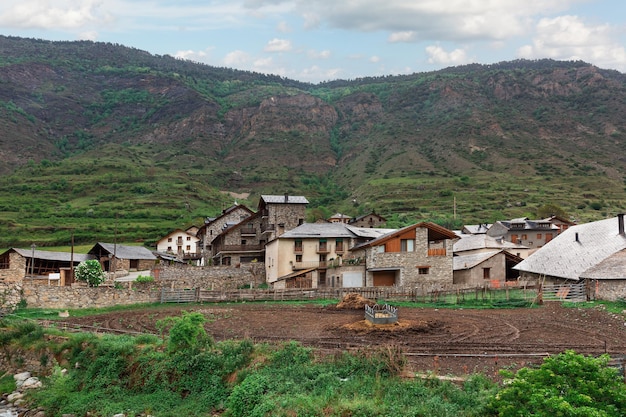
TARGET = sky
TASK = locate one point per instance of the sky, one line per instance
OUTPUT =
(323, 40)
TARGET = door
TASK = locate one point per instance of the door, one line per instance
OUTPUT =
(384, 278)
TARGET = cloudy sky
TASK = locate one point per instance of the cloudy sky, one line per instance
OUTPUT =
(318, 40)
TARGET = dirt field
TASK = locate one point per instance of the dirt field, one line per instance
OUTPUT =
(448, 342)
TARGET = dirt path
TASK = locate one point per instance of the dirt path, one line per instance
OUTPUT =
(446, 341)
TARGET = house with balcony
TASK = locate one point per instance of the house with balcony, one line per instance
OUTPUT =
(417, 255)
(245, 241)
(315, 255)
(180, 243)
(213, 226)
(530, 233)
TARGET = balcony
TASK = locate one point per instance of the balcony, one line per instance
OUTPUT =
(248, 231)
(311, 264)
(267, 228)
(437, 252)
(339, 249)
(323, 249)
(239, 248)
(297, 249)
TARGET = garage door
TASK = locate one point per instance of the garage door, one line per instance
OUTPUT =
(384, 278)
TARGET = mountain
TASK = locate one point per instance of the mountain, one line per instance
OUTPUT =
(106, 142)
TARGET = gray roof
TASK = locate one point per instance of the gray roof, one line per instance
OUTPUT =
(280, 199)
(613, 267)
(577, 250)
(482, 241)
(469, 261)
(53, 256)
(475, 229)
(369, 232)
(318, 230)
(127, 252)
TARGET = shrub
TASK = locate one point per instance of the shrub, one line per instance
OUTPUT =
(91, 272)
(145, 279)
(565, 385)
(186, 332)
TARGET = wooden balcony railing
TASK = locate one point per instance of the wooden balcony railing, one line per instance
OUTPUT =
(437, 252)
(239, 248)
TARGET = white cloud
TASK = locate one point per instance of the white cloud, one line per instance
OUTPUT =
(278, 45)
(46, 14)
(568, 37)
(437, 55)
(90, 35)
(236, 59)
(196, 56)
(374, 59)
(313, 54)
(283, 27)
(406, 36)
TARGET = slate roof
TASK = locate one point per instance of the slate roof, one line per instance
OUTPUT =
(53, 256)
(482, 241)
(462, 262)
(580, 250)
(613, 267)
(475, 229)
(280, 199)
(319, 230)
(126, 252)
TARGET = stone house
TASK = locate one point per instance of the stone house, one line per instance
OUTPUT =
(115, 258)
(490, 268)
(245, 241)
(213, 226)
(371, 220)
(592, 252)
(39, 266)
(417, 255)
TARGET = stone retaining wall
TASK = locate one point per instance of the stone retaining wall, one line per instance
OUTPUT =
(211, 277)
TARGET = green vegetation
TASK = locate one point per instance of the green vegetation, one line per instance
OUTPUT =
(186, 373)
(128, 146)
(567, 385)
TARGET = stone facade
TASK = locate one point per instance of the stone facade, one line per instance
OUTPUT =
(241, 243)
(475, 276)
(211, 278)
(14, 269)
(611, 290)
(42, 296)
(214, 227)
(10, 295)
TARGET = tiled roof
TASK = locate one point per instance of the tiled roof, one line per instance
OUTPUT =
(577, 250)
(319, 230)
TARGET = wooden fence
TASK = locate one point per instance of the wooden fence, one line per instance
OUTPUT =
(373, 293)
(564, 292)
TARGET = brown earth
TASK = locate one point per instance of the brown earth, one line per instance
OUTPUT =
(446, 341)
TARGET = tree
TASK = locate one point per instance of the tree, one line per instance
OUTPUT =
(186, 332)
(566, 385)
(548, 210)
(91, 272)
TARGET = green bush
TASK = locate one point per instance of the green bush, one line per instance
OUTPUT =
(566, 385)
(145, 279)
(186, 332)
(90, 271)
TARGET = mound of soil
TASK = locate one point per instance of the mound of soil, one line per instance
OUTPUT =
(354, 301)
(365, 326)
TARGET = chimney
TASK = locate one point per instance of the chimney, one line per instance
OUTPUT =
(620, 223)
(576, 237)
(286, 197)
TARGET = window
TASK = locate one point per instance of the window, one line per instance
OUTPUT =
(188, 247)
(548, 237)
(298, 246)
(407, 245)
(486, 273)
(188, 238)
(339, 245)
(380, 249)
(243, 242)
(169, 239)
(298, 258)
(423, 270)
(323, 246)
(514, 238)
(169, 248)
(538, 236)
(524, 237)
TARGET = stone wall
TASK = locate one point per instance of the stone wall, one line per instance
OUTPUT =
(16, 268)
(10, 295)
(611, 289)
(43, 296)
(211, 277)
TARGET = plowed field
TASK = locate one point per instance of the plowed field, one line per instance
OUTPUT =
(442, 340)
